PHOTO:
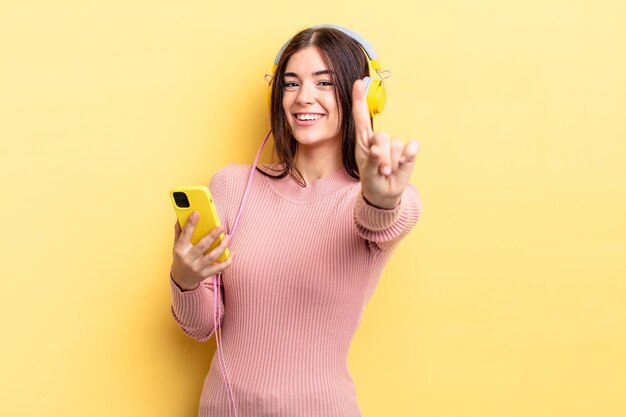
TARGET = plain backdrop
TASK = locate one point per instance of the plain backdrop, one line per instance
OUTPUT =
(508, 299)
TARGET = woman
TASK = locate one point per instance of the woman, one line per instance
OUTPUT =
(317, 230)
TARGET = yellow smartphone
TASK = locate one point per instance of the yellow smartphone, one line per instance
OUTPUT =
(198, 198)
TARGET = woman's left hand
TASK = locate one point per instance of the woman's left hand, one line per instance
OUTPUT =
(385, 163)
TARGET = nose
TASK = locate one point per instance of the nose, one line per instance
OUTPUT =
(306, 94)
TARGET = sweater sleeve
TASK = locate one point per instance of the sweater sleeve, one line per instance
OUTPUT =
(384, 228)
(193, 310)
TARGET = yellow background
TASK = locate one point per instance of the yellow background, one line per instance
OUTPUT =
(509, 297)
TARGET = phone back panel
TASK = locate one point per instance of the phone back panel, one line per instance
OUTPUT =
(200, 200)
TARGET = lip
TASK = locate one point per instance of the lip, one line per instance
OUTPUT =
(307, 122)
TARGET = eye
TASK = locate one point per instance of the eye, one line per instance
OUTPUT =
(325, 84)
(290, 85)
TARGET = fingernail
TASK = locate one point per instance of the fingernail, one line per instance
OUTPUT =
(386, 170)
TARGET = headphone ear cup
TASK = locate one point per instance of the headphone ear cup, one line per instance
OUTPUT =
(376, 94)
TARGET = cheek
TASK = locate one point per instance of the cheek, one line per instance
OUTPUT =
(337, 113)
(287, 101)
(334, 107)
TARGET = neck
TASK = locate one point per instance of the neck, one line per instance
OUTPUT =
(316, 163)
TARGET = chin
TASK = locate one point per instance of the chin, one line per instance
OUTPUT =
(312, 138)
(314, 141)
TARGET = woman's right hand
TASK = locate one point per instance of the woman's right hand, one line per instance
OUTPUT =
(189, 266)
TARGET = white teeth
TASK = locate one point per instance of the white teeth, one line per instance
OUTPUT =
(308, 116)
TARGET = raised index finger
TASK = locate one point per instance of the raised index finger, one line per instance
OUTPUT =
(360, 113)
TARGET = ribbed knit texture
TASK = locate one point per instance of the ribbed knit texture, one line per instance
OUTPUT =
(305, 263)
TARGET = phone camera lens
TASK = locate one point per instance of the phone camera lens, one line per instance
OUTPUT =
(181, 199)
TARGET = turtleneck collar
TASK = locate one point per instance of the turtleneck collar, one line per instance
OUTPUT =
(290, 189)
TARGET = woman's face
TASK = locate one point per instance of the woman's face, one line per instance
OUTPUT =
(309, 99)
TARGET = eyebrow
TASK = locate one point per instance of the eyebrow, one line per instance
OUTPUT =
(322, 72)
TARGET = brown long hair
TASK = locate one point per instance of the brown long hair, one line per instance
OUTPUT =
(346, 61)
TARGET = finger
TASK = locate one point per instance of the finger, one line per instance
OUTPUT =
(190, 226)
(218, 251)
(177, 231)
(360, 113)
(410, 152)
(372, 162)
(407, 162)
(206, 242)
(397, 147)
(216, 268)
(381, 142)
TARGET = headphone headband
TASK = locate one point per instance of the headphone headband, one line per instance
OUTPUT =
(367, 47)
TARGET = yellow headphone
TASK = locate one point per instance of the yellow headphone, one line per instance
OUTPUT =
(374, 88)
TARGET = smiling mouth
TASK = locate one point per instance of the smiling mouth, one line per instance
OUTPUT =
(305, 117)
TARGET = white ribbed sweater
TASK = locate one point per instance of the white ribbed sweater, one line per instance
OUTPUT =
(305, 263)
